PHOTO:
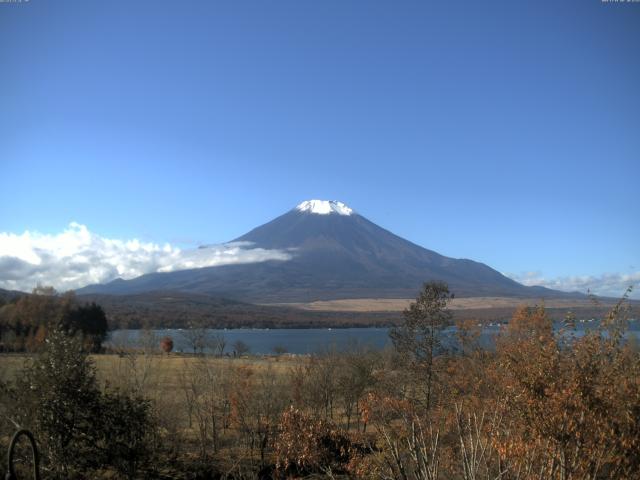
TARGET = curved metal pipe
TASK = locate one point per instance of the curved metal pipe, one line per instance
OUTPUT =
(11, 474)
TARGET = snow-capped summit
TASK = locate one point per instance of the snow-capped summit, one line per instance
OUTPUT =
(324, 207)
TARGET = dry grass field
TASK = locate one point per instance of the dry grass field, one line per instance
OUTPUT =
(184, 389)
(470, 303)
(163, 371)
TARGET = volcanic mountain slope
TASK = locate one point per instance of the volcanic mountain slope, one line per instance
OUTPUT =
(335, 253)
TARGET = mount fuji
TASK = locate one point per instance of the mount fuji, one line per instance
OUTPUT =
(334, 253)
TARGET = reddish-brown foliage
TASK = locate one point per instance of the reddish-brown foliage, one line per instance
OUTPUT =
(166, 344)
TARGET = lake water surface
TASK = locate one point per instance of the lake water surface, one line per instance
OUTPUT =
(305, 341)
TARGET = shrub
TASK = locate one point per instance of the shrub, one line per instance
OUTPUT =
(78, 427)
(125, 432)
(306, 445)
(166, 344)
(59, 399)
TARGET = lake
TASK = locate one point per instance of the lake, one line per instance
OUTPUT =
(305, 341)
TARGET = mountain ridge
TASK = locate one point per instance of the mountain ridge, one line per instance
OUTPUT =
(336, 254)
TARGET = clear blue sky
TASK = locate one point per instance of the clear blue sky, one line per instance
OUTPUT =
(507, 132)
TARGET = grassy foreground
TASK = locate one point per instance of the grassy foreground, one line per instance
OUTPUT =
(164, 370)
(189, 393)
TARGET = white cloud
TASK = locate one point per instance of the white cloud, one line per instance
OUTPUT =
(77, 257)
(605, 285)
